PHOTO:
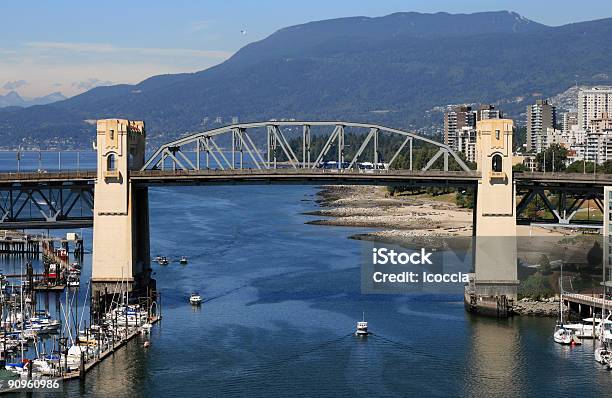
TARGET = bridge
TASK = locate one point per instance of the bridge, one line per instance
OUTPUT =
(31, 200)
(287, 153)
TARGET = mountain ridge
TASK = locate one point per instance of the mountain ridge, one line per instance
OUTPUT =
(402, 64)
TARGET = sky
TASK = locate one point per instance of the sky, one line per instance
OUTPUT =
(72, 46)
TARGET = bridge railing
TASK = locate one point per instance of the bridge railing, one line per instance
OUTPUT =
(68, 175)
(290, 171)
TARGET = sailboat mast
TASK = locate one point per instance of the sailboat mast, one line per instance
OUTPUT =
(561, 295)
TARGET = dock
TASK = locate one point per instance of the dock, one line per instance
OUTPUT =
(14, 242)
(585, 304)
(92, 363)
(109, 351)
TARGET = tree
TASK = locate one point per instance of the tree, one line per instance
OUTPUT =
(580, 166)
(465, 198)
(519, 168)
(545, 265)
(556, 152)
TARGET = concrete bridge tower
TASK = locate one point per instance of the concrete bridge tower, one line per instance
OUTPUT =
(121, 213)
(495, 256)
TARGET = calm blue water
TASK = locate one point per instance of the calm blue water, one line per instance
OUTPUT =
(287, 296)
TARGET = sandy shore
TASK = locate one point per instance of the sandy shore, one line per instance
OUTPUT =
(400, 219)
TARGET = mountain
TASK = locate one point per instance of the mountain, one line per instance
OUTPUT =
(13, 99)
(390, 70)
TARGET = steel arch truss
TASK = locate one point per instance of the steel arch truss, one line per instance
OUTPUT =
(266, 145)
(46, 205)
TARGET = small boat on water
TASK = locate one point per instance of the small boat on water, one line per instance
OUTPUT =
(195, 299)
(183, 260)
(565, 336)
(362, 327)
(163, 260)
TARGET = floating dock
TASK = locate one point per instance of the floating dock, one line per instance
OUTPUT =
(109, 351)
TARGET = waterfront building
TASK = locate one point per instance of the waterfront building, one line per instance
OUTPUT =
(592, 103)
(540, 117)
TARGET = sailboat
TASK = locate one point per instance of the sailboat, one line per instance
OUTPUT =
(602, 354)
(563, 335)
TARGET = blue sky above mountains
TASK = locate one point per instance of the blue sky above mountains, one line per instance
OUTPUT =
(72, 46)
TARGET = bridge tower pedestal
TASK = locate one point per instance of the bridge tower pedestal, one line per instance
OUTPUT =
(494, 286)
(121, 253)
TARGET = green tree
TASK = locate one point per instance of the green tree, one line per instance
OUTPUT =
(556, 152)
(519, 168)
(465, 198)
(536, 287)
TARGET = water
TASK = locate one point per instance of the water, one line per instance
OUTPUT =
(286, 296)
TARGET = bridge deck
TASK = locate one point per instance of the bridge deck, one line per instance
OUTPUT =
(303, 176)
(238, 175)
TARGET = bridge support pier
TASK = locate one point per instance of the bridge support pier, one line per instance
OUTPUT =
(121, 255)
(494, 285)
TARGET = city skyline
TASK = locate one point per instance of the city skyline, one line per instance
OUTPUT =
(79, 49)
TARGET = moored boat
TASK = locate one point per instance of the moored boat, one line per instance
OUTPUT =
(564, 336)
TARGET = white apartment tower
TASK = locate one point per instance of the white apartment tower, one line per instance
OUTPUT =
(592, 103)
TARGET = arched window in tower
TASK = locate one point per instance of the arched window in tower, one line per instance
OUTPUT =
(111, 162)
(496, 163)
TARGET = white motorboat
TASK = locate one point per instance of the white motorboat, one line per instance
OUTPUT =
(582, 330)
(362, 327)
(183, 260)
(605, 330)
(195, 299)
(131, 315)
(73, 281)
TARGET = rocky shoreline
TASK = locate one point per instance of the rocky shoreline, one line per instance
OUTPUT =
(401, 219)
(546, 307)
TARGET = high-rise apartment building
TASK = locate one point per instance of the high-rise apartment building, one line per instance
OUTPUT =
(465, 117)
(540, 117)
(487, 111)
(454, 121)
(592, 103)
(568, 120)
